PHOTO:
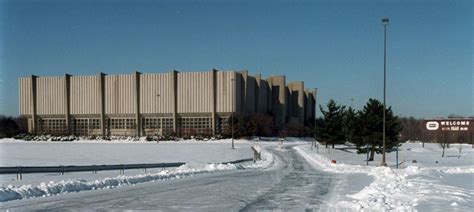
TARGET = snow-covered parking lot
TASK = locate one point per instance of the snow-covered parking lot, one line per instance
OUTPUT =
(433, 183)
(87, 152)
(199, 156)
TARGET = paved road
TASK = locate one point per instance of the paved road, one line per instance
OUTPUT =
(291, 185)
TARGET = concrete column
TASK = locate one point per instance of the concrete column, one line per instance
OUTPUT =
(175, 101)
(103, 125)
(67, 78)
(137, 103)
(289, 101)
(269, 96)
(243, 91)
(34, 118)
(296, 102)
(301, 102)
(279, 99)
(256, 93)
(314, 104)
(214, 100)
(307, 106)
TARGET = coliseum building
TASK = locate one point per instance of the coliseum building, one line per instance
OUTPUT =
(158, 103)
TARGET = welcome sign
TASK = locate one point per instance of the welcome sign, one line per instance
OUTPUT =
(456, 125)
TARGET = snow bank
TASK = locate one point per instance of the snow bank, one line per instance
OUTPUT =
(392, 189)
(54, 188)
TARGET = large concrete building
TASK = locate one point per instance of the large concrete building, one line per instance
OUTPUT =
(158, 103)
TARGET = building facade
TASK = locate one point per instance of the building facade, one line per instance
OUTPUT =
(158, 103)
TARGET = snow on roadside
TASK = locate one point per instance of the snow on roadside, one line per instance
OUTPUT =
(393, 189)
(66, 186)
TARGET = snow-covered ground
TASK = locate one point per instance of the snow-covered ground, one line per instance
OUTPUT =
(433, 183)
(200, 157)
(90, 152)
(427, 185)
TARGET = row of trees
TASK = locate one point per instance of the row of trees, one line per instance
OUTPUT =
(263, 125)
(10, 126)
(244, 126)
(365, 127)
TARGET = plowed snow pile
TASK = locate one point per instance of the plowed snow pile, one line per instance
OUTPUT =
(433, 183)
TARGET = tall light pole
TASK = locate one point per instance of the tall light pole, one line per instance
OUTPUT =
(315, 109)
(385, 24)
(232, 114)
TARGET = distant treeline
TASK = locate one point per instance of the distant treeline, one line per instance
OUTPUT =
(263, 125)
(11, 126)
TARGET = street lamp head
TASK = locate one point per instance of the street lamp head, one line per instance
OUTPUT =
(385, 21)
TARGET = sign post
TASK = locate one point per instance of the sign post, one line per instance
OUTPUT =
(367, 154)
(397, 157)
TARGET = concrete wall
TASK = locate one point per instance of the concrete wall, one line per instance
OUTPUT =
(278, 90)
(85, 95)
(250, 95)
(51, 95)
(264, 97)
(175, 95)
(242, 92)
(296, 103)
(310, 108)
(156, 93)
(194, 92)
(25, 96)
(314, 104)
(120, 94)
(225, 91)
(239, 92)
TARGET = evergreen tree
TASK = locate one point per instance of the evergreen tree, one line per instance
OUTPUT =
(370, 128)
(8, 127)
(331, 130)
(350, 124)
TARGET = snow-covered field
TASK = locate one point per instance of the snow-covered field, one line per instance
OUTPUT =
(199, 156)
(90, 152)
(427, 185)
(433, 183)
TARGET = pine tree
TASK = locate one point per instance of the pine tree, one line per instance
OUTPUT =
(331, 130)
(370, 127)
(350, 124)
(8, 127)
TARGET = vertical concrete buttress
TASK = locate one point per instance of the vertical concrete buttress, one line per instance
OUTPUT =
(102, 104)
(243, 90)
(34, 118)
(278, 99)
(137, 103)
(256, 94)
(214, 99)
(175, 101)
(296, 102)
(315, 103)
(67, 78)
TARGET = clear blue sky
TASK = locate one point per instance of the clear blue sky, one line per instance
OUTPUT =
(336, 46)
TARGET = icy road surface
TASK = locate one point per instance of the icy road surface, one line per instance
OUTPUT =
(292, 184)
